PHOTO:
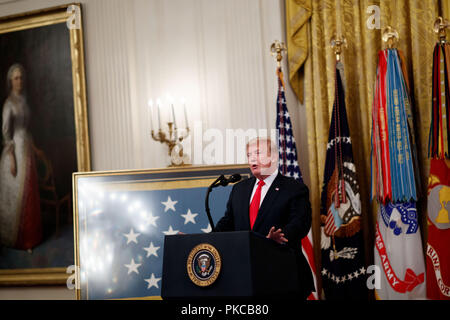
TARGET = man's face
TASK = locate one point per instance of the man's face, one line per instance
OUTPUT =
(259, 159)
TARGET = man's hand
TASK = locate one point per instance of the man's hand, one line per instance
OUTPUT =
(276, 236)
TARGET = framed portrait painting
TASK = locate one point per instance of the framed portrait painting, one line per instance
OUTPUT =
(44, 139)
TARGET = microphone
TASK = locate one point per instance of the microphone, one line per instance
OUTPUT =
(220, 181)
(232, 179)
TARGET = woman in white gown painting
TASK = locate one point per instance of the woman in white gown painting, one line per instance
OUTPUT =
(20, 214)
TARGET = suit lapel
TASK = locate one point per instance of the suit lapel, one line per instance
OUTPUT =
(269, 199)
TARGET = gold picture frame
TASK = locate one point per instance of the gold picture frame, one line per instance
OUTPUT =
(18, 32)
(100, 199)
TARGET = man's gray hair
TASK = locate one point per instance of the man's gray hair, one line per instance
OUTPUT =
(273, 147)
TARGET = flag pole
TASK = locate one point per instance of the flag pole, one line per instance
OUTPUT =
(287, 150)
(337, 44)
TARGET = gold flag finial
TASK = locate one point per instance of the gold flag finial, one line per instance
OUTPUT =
(337, 43)
(276, 50)
(390, 36)
(440, 28)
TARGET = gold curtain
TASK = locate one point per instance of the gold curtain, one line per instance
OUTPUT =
(414, 22)
(444, 9)
(298, 13)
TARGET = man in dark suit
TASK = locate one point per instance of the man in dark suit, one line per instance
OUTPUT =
(271, 204)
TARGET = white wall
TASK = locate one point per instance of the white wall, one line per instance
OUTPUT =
(215, 53)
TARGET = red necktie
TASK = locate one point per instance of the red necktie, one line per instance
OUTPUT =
(254, 205)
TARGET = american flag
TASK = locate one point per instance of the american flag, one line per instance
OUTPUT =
(330, 225)
(288, 164)
(122, 231)
(287, 150)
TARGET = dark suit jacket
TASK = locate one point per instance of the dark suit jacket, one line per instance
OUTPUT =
(286, 206)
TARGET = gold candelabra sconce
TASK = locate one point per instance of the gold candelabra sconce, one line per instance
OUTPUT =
(173, 136)
(440, 28)
(337, 43)
(390, 36)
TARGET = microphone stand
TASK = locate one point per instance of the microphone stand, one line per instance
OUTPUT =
(208, 211)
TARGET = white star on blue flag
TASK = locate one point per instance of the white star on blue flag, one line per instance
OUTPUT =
(122, 248)
(288, 164)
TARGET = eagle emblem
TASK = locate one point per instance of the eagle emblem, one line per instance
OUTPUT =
(203, 264)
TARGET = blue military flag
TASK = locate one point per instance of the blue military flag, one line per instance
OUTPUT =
(395, 183)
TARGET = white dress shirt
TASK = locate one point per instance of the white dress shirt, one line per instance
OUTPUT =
(268, 182)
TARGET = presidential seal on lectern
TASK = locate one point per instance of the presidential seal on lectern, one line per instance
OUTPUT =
(203, 265)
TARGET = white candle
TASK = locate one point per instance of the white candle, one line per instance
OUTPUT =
(150, 104)
(173, 116)
(183, 101)
(159, 112)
